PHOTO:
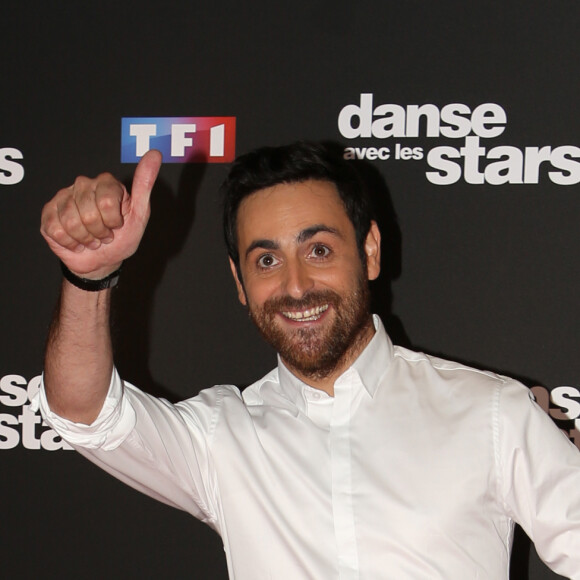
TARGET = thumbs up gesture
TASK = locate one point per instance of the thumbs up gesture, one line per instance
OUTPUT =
(95, 224)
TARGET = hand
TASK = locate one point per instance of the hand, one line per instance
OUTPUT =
(94, 224)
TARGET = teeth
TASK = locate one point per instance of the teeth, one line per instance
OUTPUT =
(307, 315)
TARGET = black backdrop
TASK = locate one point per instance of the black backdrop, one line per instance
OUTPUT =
(483, 268)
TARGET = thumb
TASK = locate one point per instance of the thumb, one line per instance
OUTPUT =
(143, 182)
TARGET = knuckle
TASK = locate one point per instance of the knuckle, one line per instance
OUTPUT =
(48, 218)
(56, 234)
(68, 223)
(60, 236)
(91, 217)
(66, 207)
(108, 201)
(47, 213)
(81, 182)
(106, 179)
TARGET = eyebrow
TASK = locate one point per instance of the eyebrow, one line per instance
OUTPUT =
(263, 244)
(303, 236)
(310, 232)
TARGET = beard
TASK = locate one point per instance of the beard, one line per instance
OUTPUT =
(317, 352)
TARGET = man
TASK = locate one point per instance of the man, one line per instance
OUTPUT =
(354, 458)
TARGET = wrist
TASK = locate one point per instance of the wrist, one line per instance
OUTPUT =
(91, 284)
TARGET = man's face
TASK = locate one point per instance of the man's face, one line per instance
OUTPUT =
(303, 281)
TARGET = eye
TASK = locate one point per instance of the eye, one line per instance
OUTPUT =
(320, 251)
(266, 261)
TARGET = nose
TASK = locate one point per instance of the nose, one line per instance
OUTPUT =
(297, 279)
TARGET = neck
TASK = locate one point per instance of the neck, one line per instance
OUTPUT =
(324, 380)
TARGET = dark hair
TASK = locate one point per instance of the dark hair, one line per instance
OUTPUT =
(301, 161)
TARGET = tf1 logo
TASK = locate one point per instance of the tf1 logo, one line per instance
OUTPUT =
(180, 139)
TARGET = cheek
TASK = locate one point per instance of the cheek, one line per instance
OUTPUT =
(259, 290)
(341, 278)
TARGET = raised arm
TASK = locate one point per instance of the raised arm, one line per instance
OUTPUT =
(92, 226)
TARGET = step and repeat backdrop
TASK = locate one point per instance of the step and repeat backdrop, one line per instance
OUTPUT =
(464, 117)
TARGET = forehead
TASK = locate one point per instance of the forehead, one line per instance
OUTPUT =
(289, 207)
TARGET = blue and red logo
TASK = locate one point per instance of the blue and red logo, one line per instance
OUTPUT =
(180, 139)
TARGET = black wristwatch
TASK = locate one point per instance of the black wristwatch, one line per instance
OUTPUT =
(89, 285)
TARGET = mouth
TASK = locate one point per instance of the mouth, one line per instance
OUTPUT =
(308, 315)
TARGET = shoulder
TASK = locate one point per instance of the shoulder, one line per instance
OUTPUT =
(449, 378)
(228, 399)
(211, 399)
(429, 364)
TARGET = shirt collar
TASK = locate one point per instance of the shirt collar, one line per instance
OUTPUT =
(371, 365)
(375, 359)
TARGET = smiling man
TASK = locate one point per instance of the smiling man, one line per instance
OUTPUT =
(353, 458)
(302, 278)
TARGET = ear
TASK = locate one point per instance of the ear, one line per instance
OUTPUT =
(373, 251)
(239, 285)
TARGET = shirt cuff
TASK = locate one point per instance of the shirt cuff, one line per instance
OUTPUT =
(114, 423)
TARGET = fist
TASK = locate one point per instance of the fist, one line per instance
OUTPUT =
(95, 224)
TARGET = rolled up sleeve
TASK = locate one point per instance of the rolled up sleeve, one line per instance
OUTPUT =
(156, 447)
(114, 423)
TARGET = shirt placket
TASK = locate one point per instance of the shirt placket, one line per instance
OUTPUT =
(341, 462)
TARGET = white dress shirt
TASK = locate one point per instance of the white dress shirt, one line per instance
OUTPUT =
(417, 468)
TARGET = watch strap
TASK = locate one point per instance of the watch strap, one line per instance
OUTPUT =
(89, 285)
